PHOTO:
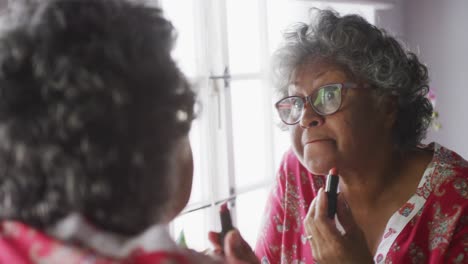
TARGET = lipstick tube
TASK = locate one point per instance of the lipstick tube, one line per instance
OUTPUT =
(226, 222)
(331, 189)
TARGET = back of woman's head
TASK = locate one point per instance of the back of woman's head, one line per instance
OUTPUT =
(369, 55)
(91, 104)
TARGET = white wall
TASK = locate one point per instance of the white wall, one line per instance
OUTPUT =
(439, 31)
(392, 19)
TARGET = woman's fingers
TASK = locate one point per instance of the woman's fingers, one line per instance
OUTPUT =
(325, 226)
(213, 237)
(237, 250)
(327, 243)
(322, 205)
(320, 230)
(309, 228)
(311, 211)
(312, 219)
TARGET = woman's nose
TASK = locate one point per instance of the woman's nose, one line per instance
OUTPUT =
(310, 118)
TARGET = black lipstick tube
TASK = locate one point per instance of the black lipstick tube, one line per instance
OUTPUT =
(226, 222)
(331, 189)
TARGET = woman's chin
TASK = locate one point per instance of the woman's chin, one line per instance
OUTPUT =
(318, 168)
(319, 163)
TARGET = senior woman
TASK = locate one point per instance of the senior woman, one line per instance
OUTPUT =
(94, 121)
(354, 99)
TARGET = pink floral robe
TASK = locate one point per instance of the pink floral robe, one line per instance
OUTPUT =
(431, 227)
(74, 241)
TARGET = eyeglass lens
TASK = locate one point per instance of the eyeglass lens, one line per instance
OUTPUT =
(325, 101)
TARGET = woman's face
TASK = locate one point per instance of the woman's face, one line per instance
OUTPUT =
(181, 176)
(346, 139)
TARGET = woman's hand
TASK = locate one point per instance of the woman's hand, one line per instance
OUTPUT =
(327, 243)
(236, 249)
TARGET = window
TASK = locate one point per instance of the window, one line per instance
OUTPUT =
(223, 47)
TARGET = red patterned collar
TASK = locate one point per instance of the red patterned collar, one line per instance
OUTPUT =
(75, 241)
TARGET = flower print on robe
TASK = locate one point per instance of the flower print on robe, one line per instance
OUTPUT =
(431, 227)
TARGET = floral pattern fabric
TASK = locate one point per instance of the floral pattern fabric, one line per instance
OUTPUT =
(431, 227)
(21, 244)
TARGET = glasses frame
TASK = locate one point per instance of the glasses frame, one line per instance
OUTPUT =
(308, 99)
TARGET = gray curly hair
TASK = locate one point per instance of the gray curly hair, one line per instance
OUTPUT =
(91, 107)
(368, 54)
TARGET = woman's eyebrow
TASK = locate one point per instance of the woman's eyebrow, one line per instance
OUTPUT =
(317, 76)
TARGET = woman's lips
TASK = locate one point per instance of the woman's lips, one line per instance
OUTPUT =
(317, 141)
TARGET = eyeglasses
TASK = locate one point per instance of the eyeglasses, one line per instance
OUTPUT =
(325, 100)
